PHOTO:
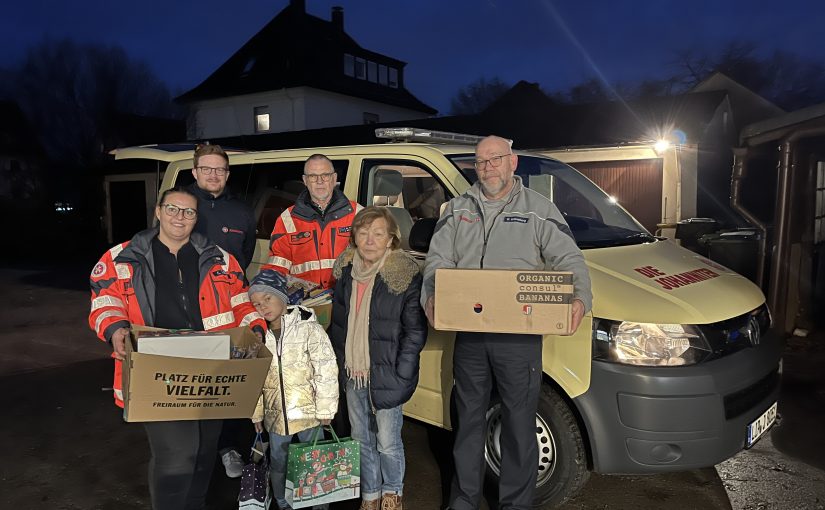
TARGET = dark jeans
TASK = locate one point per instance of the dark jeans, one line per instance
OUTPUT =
(514, 361)
(183, 455)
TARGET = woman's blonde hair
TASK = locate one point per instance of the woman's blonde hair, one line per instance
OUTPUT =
(369, 214)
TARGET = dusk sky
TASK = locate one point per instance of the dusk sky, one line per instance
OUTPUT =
(446, 44)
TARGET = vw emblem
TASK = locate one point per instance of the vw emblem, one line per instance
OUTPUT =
(752, 332)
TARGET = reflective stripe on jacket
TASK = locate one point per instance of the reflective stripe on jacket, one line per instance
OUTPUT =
(123, 291)
(305, 243)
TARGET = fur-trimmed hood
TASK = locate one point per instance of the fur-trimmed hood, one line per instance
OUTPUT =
(398, 271)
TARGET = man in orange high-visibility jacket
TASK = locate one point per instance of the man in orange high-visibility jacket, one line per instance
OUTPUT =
(309, 236)
(170, 277)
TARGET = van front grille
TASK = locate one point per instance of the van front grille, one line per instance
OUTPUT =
(737, 333)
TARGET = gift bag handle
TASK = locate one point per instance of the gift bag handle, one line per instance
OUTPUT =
(316, 435)
(258, 439)
(334, 435)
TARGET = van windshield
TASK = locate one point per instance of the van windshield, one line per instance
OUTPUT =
(595, 219)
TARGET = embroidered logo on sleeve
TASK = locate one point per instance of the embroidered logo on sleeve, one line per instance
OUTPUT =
(99, 270)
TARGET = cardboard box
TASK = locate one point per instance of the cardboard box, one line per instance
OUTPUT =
(503, 301)
(323, 313)
(161, 388)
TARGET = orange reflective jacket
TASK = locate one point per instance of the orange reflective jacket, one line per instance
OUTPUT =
(123, 291)
(305, 242)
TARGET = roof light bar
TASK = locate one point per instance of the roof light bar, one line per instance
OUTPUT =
(408, 134)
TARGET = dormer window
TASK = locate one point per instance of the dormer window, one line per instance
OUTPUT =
(349, 65)
(369, 70)
(360, 68)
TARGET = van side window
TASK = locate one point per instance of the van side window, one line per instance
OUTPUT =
(408, 189)
(184, 177)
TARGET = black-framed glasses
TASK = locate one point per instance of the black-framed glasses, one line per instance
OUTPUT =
(319, 177)
(494, 162)
(220, 171)
(173, 210)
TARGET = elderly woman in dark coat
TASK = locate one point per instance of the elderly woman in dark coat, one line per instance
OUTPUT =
(378, 330)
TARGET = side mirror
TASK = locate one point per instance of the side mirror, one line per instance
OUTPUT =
(421, 233)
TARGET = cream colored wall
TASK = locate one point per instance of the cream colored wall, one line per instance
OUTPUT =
(293, 109)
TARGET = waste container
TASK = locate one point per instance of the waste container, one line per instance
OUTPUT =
(690, 230)
(737, 250)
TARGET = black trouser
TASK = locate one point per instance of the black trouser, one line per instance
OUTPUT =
(183, 455)
(515, 363)
(232, 430)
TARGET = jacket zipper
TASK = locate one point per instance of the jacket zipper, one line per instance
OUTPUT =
(492, 225)
(279, 351)
(183, 298)
(369, 394)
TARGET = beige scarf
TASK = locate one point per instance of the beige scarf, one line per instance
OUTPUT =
(357, 347)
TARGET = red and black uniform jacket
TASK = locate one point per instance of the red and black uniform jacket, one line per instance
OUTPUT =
(123, 291)
(305, 241)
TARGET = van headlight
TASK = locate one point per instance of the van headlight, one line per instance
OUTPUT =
(641, 343)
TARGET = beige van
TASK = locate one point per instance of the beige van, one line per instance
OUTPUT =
(674, 369)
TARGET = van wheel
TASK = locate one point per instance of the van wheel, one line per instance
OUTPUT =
(562, 457)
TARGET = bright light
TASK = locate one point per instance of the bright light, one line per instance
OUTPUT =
(612, 200)
(661, 146)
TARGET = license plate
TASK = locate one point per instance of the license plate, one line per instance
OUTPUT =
(759, 426)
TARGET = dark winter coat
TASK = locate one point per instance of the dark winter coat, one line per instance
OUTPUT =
(398, 327)
(226, 221)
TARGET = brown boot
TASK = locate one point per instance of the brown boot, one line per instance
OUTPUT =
(391, 502)
(372, 504)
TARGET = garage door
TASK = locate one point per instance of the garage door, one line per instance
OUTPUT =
(636, 185)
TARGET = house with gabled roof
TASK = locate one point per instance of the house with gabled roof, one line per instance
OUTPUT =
(300, 72)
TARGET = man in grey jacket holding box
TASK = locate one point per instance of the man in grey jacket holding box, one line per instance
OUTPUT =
(500, 224)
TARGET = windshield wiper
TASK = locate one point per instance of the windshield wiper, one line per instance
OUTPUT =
(620, 241)
(640, 235)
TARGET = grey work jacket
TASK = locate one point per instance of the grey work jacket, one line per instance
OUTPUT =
(528, 233)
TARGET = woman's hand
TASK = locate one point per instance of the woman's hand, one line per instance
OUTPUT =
(119, 339)
(259, 426)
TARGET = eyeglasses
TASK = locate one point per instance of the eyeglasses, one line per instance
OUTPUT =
(319, 177)
(495, 161)
(220, 171)
(173, 210)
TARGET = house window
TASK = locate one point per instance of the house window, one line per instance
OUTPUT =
(349, 65)
(393, 78)
(370, 118)
(261, 119)
(382, 74)
(360, 68)
(372, 72)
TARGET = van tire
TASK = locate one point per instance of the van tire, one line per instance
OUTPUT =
(562, 456)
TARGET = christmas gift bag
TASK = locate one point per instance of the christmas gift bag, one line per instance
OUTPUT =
(255, 493)
(323, 471)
